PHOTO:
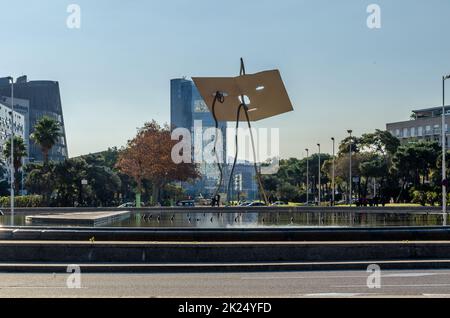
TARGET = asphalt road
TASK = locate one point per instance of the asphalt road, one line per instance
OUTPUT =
(423, 283)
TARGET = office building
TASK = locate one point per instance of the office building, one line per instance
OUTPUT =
(188, 110)
(43, 100)
(5, 127)
(21, 106)
(424, 124)
(244, 183)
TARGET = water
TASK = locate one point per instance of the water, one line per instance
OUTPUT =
(263, 219)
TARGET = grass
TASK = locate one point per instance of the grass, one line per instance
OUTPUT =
(393, 205)
(405, 205)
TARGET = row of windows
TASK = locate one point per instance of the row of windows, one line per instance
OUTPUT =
(420, 131)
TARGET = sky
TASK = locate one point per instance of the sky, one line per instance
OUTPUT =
(114, 71)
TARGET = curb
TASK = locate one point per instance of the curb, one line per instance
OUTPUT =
(224, 267)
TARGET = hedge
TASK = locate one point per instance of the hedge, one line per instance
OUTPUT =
(23, 201)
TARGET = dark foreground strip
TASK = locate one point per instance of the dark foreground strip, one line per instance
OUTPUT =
(224, 267)
(199, 235)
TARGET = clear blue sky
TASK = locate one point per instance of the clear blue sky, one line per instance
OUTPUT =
(114, 72)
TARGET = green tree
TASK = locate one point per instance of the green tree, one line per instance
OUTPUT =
(46, 133)
(68, 175)
(19, 151)
(381, 142)
(414, 164)
(104, 182)
(40, 179)
(344, 145)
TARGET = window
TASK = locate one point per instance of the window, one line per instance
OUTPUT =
(437, 130)
(405, 132)
(397, 133)
(413, 131)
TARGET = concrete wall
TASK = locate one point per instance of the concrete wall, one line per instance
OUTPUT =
(227, 235)
(114, 252)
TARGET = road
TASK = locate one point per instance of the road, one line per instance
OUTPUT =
(422, 283)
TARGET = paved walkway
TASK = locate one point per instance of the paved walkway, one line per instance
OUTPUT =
(423, 283)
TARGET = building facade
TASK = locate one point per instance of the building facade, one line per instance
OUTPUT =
(188, 110)
(424, 124)
(43, 100)
(246, 187)
(5, 126)
(21, 106)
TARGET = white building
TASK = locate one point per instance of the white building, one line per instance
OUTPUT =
(5, 125)
(21, 106)
(424, 124)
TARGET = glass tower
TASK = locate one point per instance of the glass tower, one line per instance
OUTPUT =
(188, 110)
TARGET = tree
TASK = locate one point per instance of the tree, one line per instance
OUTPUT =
(288, 192)
(46, 134)
(148, 157)
(414, 163)
(104, 182)
(68, 175)
(381, 141)
(19, 151)
(344, 146)
(40, 179)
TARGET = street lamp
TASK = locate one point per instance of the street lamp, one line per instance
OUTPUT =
(318, 145)
(332, 176)
(12, 150)
(444, 172)
(307, 176)
(350, 170)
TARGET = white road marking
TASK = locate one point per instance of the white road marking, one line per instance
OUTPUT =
(409, 275)
(400, 285)
(332, 295)
(343, 276)
(38, 287)
(297, 277)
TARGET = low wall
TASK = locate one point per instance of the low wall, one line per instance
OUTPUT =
(228, 235)
(114, 252)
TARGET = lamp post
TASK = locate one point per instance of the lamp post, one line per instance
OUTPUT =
(332, 175)
(307, 176)
(12, 150)
(444, 172)
(350, 170)
(318, 203)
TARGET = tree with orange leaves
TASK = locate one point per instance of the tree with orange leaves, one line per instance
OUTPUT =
(148, 157)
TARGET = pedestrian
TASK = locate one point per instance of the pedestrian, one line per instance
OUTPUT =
(218, 200)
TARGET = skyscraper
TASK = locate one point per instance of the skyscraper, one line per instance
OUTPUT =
(188, 110)
(44, 100)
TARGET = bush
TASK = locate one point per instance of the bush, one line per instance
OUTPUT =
(432, 197)
(23, 201)
(419, 197)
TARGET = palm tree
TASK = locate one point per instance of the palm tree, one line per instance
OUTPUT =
(20, 151)
(46, 134)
